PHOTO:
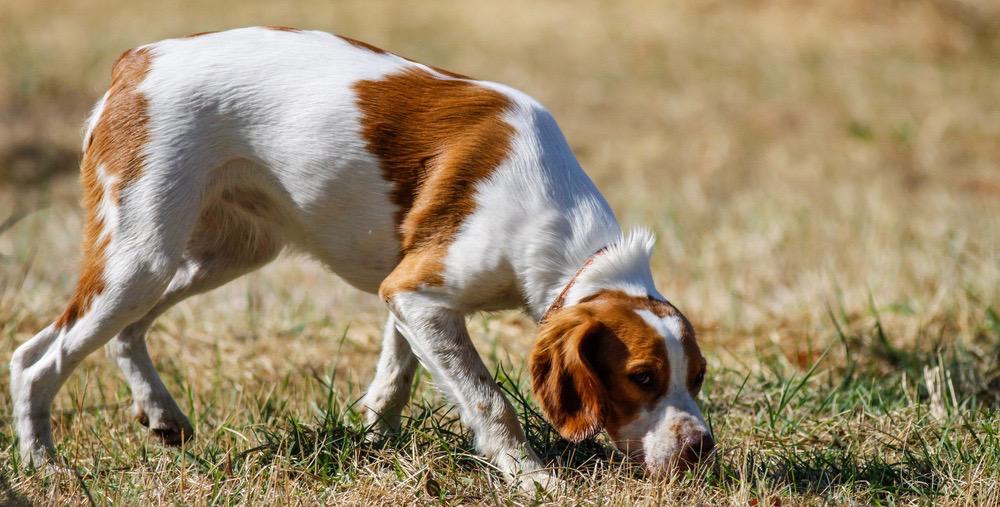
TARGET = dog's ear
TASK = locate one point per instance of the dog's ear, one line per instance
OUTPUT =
(562, 373)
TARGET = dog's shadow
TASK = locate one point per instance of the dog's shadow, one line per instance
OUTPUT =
(338, 445)
(10, 497)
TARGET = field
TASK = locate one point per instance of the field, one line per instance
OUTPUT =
(823, 177)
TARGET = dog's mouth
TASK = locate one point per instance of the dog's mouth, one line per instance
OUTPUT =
(678, 464)
(631, 447)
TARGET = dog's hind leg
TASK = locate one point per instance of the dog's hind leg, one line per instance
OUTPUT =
(226, 244)
(390, 389)
(141, 200)
(127, 266)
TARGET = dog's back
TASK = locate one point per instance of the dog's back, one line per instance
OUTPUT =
(304, 138)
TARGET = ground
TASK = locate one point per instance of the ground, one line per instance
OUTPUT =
(823, 177)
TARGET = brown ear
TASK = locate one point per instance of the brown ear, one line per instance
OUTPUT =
(562, 375)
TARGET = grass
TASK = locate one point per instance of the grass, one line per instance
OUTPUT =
(841, 434)
(822, 176)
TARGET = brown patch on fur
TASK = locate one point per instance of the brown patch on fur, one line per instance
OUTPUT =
(659, 308)
(121, 132)
(563, 377)
(281, 28)
(583, 362)
(448, 73)
(115, 144)
(695, 361)
(362, 45)
(91, 282)
(199, 34)
(436, 139)
(376, 49)
(439, 70)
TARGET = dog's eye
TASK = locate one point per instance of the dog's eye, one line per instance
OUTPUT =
(699, 380)
(642, 378)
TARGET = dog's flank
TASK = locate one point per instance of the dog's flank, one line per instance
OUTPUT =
(443, 194)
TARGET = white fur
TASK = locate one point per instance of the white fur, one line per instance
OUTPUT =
(275, 111)
(623, 266)
(95, 115)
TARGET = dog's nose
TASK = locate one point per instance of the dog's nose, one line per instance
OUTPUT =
(697, 448)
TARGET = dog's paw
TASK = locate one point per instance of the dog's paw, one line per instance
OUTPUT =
(173, 436)
(379, 428)
(35, 442)
(169, 430)
(537, 481)
(40, 457)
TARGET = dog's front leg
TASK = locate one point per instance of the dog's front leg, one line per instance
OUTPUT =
(440, 340)
(390, 389)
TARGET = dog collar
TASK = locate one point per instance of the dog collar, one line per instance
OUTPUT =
(561, 298)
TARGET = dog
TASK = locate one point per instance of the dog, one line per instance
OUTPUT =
(443, 194)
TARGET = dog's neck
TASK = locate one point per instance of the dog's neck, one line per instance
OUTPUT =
(621, 263)
(569, 221)
(560, 300)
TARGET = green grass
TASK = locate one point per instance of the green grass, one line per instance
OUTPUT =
(821, 175)
(864, 429)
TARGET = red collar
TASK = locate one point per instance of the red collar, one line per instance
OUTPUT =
(561, 298)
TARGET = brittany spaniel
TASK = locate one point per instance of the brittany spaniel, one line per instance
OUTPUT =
(443, 194)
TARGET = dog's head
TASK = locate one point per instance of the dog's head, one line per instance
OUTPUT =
(628, 365)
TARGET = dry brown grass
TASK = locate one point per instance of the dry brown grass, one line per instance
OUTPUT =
(809, 167)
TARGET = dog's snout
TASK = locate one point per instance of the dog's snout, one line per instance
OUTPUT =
(696, 448)
(693, 448)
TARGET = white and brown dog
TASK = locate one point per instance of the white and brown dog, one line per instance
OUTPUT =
(443, 194)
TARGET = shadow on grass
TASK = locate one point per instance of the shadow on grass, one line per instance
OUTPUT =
(9, 497)
(785, 404)
(335, 449)
(338, 445)
(971, 369)
(936, 399)
(821, 471)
